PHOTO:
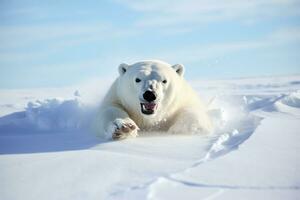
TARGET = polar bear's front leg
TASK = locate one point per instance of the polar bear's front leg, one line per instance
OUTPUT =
(116, 124)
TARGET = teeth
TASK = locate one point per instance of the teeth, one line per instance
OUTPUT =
(145, 107)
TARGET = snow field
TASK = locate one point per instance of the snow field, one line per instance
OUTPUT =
(47, 151)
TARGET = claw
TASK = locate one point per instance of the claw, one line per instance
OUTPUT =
(125, 129)
(115, 137)
(132, 127)
(118, 136)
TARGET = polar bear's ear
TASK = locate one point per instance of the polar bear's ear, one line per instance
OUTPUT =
(179, 68)
(123, 68)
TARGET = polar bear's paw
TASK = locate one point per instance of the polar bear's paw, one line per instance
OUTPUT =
(123, 128)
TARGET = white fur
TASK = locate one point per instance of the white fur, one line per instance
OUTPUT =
(179, 107)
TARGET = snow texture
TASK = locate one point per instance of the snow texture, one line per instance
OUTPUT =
(48, 152)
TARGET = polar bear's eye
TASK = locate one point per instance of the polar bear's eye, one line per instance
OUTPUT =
(137, 80)
(165, 81)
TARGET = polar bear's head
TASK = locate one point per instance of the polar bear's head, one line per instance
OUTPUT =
(149, 87)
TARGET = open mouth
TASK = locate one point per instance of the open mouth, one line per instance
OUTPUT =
(148, 108)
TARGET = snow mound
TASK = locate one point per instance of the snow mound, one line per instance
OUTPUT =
(48, 115)
(292, 100)
(55, 114)
(285, 103)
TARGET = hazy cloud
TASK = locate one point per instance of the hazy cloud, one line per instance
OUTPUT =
(169, 13)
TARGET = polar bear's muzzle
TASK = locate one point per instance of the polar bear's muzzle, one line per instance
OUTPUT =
(149, 107)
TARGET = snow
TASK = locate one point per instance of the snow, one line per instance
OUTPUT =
(47, 150)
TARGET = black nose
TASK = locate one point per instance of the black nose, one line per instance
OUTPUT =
(149, 96)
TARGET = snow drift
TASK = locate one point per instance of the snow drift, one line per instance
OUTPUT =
(48, 115)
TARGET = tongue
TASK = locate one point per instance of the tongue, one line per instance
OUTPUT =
(150, 106)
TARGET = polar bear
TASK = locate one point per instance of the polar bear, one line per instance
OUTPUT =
(151, 95)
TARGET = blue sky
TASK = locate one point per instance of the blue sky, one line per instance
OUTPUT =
(62, 43)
